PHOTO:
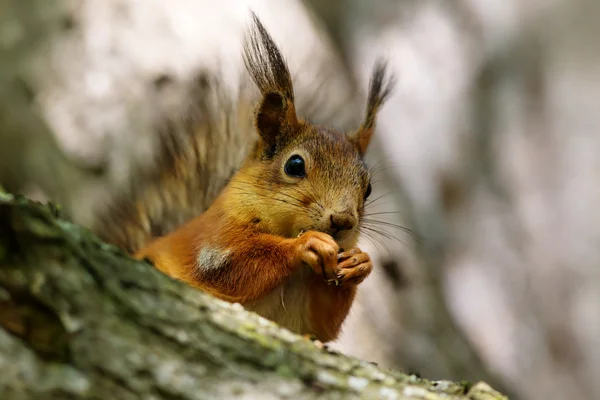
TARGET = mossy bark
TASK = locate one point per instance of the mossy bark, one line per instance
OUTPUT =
(80, 319)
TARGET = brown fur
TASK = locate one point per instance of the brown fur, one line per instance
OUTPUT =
(268, 241)
(199, 150)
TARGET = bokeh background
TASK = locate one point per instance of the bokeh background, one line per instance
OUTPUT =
(486, 157)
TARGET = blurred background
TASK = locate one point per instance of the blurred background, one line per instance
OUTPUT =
(487, 184)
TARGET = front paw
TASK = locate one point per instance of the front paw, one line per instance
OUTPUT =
(353, 267)
(319, 251)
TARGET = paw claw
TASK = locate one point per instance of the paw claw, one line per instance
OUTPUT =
(353, 266)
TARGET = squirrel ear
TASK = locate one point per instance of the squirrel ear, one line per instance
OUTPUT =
(380, 88)
(276, 114)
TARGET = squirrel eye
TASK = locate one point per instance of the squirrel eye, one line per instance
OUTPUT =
(294, 166)
(368, 192)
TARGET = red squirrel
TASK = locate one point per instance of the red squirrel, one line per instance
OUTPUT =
(281, 236)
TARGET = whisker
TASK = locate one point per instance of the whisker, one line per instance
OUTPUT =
(386, 168)
(311, 196)
(248, 193)
(372, 168)
(384, 233)
(383, 212)
(370, 202)
(314, 190)
(374, 240)
(269, 189)
(375, 234)
(379, 231)
(381, 204)
(390, 224)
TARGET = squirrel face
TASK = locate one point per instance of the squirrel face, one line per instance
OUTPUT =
(326, 172)
(300, 176)
(315, 181)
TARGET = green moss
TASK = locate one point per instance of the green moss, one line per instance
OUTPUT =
(5, 197)
(55, 209)
(285, 371)
(466, 385)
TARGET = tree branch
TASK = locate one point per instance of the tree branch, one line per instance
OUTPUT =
(80, 319)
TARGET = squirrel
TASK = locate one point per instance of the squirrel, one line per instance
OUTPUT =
(281, 236)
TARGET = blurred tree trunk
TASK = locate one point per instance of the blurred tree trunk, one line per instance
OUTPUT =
(29, 151)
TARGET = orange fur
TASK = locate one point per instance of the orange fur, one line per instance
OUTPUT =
(273, 240)
(259, 264)
(329, 306)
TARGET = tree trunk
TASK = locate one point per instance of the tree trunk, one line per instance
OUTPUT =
(80, 319)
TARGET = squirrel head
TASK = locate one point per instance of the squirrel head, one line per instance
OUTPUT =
(300, 176)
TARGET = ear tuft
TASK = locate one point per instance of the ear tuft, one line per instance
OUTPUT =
(276, 114)
(380, 87)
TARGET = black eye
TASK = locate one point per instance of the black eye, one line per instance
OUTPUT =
(294, 166)
(368, 192)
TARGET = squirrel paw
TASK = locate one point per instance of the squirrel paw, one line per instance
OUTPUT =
(320, 252)
(353, 267)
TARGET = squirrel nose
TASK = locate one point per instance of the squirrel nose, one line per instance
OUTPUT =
(342, 221)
